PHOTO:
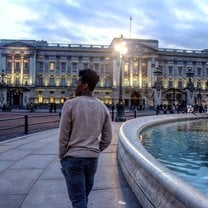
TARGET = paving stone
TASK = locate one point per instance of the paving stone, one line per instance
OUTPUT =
(113, 198)
(4, 148)
(108, 159)
(18, 181)
(14, 155)
(49, 149)
(32, 146)
(5, 164)
(11, 201)
(53, 171)
(48, 193)
(33, 161)
(109, 178)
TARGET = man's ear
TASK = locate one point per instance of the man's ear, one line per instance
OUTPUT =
(85, 86)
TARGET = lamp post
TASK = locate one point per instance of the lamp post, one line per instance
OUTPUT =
(199, 95)
(121, 48)
(157, 87)
(190, 87)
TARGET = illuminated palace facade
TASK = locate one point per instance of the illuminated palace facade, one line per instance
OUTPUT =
(39, 72)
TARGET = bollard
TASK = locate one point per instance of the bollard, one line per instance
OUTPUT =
(112, 115)
(134, 113)
(26, 124)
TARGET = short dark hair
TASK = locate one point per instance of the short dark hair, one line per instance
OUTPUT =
(90, 77)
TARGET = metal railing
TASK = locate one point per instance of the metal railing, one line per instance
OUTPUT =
(25, 124)
(16, 126)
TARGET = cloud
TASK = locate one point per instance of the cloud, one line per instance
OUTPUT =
(178, 23)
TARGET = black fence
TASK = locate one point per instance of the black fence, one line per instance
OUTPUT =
(26, 124)
(17, 126)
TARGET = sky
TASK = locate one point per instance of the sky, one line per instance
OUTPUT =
(179, 24)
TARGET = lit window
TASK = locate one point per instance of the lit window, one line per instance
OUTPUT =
(52, 100)
(40, 99)
(52, 65)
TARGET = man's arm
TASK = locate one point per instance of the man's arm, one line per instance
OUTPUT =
(64, 130)
(106, 134)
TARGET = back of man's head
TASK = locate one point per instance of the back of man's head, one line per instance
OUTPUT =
(90, 77)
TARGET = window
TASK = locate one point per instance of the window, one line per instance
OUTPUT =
(180, 70)
(40, 81)
(9, 65)
(40, 99)
(52, 65)
(63, 81)
(108, 68)
(170, 70)
(107, 82)
(86, 66)
(74, 67)
(26, 66)
(180, 85)
(52, 83)
(170, 84)
(135, 67)
(17, 81)
(40, 66)
(17, 67)
(96, 66)
(52, 99)
(74, 82)
(198, 72)
(63, 67)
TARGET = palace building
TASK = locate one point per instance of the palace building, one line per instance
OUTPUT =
(39, 72)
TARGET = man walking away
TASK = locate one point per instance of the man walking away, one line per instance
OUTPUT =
(85, 131)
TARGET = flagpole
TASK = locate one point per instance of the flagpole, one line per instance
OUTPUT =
(130, 25)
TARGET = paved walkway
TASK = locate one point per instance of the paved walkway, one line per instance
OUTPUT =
(30, 175)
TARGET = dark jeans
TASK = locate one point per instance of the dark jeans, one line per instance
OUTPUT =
(79, 175)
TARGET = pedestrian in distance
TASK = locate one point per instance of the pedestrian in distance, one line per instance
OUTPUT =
(85, 131)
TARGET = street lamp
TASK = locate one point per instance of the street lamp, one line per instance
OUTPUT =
(199, 95)
(121, 48)
(190, 87)
(157, 87)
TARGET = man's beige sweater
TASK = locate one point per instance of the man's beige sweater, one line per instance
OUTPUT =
(85, 128)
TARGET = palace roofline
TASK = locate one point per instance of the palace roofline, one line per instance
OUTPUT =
(43, 43)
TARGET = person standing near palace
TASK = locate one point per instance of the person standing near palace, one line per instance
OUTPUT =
(85, 131)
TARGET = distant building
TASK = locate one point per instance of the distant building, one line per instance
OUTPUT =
(41, 73)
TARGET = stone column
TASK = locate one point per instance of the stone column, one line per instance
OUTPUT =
(32, 69)
(21, 70)
(140, 72)
(115, 70)
(12, 72)
(149, 73)
(131, 72)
